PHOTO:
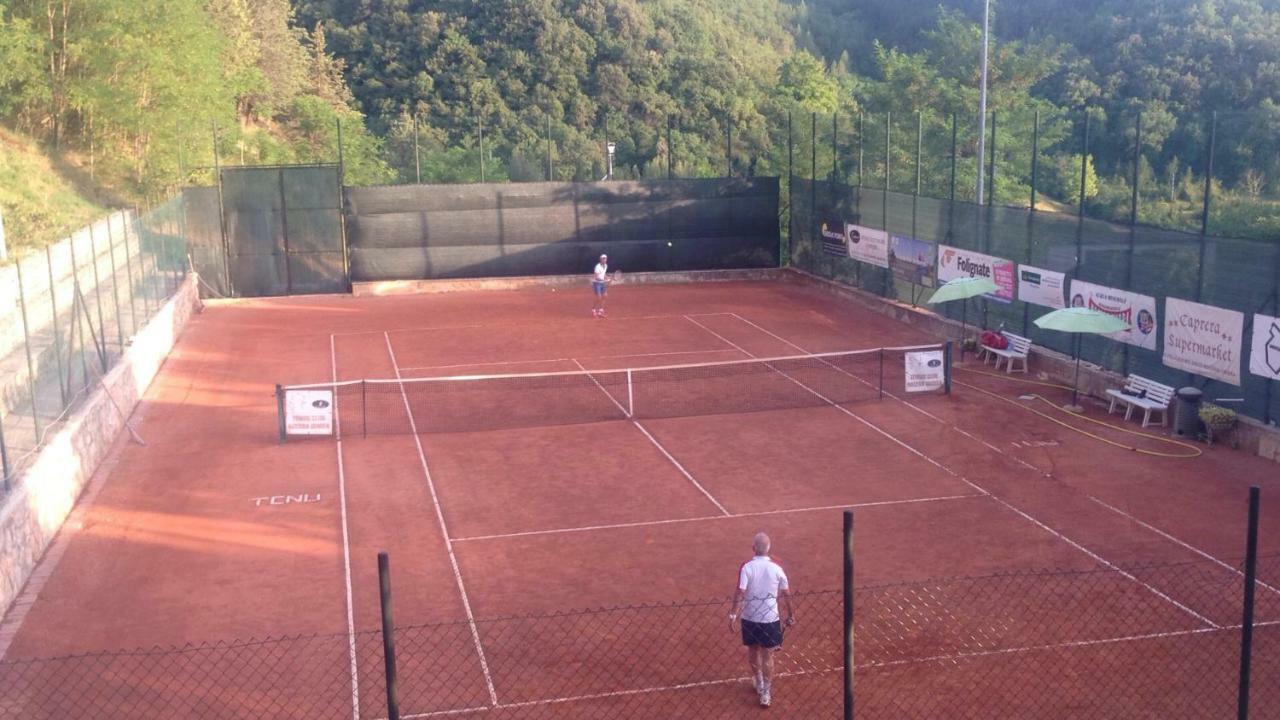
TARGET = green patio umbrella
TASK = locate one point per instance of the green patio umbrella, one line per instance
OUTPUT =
(962, 289)
(1080, 320)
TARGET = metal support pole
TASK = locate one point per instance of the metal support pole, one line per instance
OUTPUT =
(1031, 216)
(728, 149)
(280, 420)
(63, 388)
(861, 134)
(1204, 215)
(813, 166)
(881, 374)
(982, 96)
(848, 615)
(884, 199)
(1246, 624)
(790, 156)
(946, 362)
(342, 168)
(97, 294)
(835, 146)
(388, 635)
(915, 197)
(480, 129)
(75, 316)
(671, 147)
(26, 345)
(551, 169)
(991, 168)
(5, 470)
(1133, 221)
(417, 158)
(955, 129)
(1084, 166)
(1035, 159)
(222, 226)
(128, 263)
(115, 284)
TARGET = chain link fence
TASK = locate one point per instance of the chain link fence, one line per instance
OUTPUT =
(68, 314)
(1128, 641)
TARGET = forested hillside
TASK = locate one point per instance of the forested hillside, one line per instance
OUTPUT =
(127, 92)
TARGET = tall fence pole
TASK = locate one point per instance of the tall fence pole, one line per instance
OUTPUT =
(222, 225)
(861, 134)
(480, 135)
(884, 199)
(97, 294)
(1084, 166)
(1031, 215)
(417, 159)
(728, 147)
(671, 147)
(26, 345)
(955, 130)
(1246, 624)
(115, 284)
(78, 332)
(63, 388)
(835, 146)
(5, 470)
(813, 166)
(388, 635)
(991, 167)
(848, 615)
(915, 196)
(1204, 213)
(1133, 220)
(551, 168)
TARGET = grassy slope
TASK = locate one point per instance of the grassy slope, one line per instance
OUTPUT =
(42, 199)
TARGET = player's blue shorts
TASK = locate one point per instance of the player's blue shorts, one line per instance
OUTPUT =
(599, 287)
(767, 635)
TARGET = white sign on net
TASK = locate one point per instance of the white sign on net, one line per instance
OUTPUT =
(925, 371)
(1264, 352)
(308, 412)
(1203, 339)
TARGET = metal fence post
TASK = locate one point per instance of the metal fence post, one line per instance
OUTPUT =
(417, 161)
(97, 293)
(884, 199)
(388, 634)
(1031, 215)
(728, 147)
(26, 346)
(671, 149)
(946, 365)
(1208, 194)
(280, 417)
(4, 458)
(813, 166)
(848, 615)
(1133, 221)
(835, 146)
(860, 136)
(128, 267)
(77, 333)
(1246, 624)
(991, 168)
(63, 388)
(955, 130)
(115, 284)
(1084, 165)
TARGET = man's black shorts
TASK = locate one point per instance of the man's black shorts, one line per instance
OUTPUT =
(764, 634)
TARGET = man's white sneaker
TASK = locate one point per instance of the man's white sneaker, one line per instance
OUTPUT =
(764, 698)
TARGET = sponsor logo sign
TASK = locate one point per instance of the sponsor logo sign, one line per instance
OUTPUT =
(834, 241)
(956, 263)
(1139, 311)
(1203, 339)
(925, 371)
(912, 260)
(1264, 351)
(868, 245)
(1040, 287)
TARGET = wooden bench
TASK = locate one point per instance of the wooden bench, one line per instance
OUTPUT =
(1019, 348)
(1157, 398)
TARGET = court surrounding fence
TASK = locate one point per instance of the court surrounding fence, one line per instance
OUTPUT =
(67, 314)
(1235, 274)
(1116, 641)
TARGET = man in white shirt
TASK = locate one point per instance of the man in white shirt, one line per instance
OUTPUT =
(761, 582)
(600, 285)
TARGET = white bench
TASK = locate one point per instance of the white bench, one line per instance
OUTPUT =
(1157, 398)
(1019, 348)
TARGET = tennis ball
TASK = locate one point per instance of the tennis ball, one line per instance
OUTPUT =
(668, 243)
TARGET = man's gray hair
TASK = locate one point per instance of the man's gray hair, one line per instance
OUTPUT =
(760, 543)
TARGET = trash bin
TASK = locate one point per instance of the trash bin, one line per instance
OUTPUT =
(1187, 417)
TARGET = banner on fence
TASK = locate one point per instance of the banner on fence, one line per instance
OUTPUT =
(308, 412)
(925, 371)
(956, 263)
(834, 239)
(1137, 310)
(1264, 351)
(912, 260)
(1203, 339)
(1040, 287)
(868, 245)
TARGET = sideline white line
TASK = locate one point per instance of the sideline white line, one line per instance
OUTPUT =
(1176, 541)
(1095, 556)
(655, 442)
(908, 403)
(676, 521)
(444, 530)
(346, 540)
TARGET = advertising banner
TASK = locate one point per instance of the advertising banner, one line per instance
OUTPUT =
(956, 263)
(834, 240)
(925, 371)
(308, 412)
(1040, 287)
(868, 245)
(1203, 339)
(912, 260)
(1137, 310)
(1264, 351)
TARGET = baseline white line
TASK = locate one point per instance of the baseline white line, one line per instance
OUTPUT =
(676, 521)
(444, 530)
(472, 326)
(908, 403)
(346, 540)
(1095, 556)
(654, 440)
(483, 364)
(1176, 541)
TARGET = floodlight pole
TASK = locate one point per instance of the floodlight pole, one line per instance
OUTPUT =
(611, 147)
(982, 95)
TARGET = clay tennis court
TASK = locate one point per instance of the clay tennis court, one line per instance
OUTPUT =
(217, 532)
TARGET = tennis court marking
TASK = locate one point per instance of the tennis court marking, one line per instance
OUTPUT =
(472, 326)
(676, 521)
(654, 440)
(548, 361)
(444, 528)
(346, 542)
(1095, 556)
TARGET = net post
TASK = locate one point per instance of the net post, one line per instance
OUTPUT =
(1246, 625)
(631, 398)
(280, 425)
(388, 634)
(848, 615)
(946, 368)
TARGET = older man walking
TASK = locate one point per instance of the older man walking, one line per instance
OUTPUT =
(761, 581)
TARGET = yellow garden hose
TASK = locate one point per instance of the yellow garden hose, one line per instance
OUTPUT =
(1193, 451)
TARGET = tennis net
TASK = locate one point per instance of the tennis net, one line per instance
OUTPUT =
(494, 402)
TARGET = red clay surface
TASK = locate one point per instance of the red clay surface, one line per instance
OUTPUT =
(189, 539)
